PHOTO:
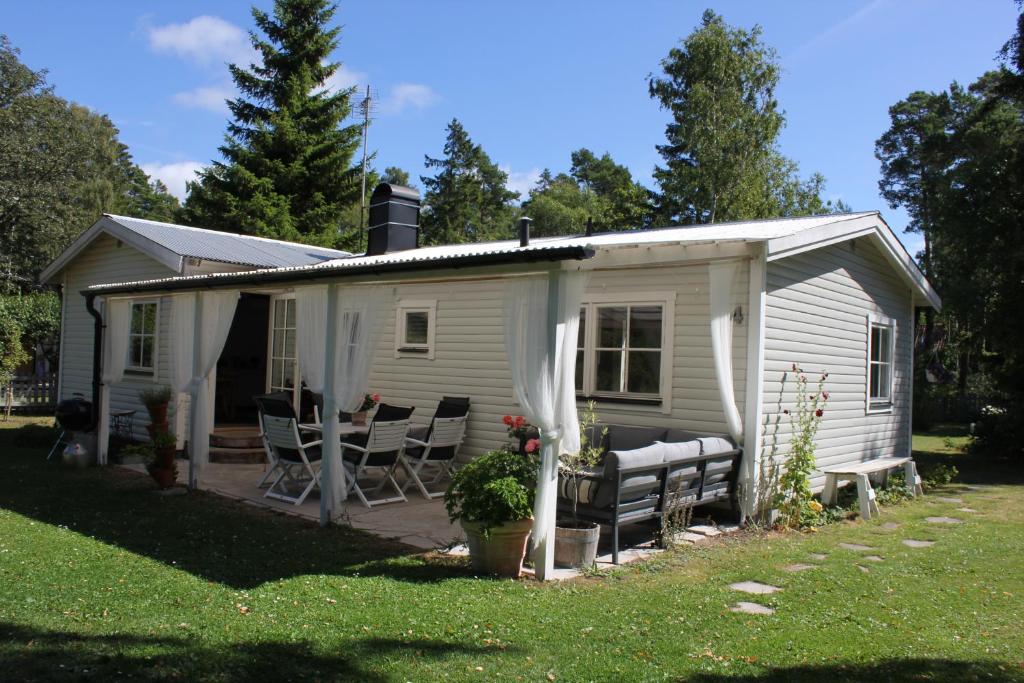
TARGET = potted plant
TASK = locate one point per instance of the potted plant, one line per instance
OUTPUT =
(576, 541)
(156, 399)
(370, 402)
(162, 467)
(519, 433)
(492, 497)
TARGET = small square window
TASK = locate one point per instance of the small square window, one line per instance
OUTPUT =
(414, 329)
(880, 365)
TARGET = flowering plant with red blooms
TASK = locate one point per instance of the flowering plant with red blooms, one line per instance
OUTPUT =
(370, 401)
(794, 499)
(532, 445)
(517, 427)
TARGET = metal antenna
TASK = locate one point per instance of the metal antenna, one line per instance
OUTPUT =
(367, 107)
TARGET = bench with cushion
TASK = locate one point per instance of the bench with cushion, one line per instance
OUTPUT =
(647, 472)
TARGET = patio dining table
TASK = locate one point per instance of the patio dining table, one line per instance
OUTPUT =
(347, 428)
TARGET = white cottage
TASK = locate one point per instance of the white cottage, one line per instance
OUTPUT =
(692, 327)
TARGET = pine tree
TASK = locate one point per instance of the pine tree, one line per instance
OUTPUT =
(468, 200)
(287, 171)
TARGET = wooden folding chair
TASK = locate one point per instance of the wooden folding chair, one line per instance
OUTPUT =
(295, 459)
(437, 450)
(382, 450)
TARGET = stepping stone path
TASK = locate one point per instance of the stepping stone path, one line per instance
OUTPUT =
(798, 567)
(687, 537)
(943, 520)
(751, 608)
(754, 588)
(911, 543)
(951, 500)
(817, 556)
(704, 530)
(855, 546)
(889, 526)
(863, 569)
(966, 510)
(873, 558)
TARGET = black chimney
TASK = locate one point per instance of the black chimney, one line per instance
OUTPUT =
(394, 219)
(524, 231)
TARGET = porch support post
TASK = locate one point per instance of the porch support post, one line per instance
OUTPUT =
(197, 421)
(547, 479)
(331, 447)
(754, 392)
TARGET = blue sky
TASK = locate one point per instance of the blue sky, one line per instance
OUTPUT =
(531, 81)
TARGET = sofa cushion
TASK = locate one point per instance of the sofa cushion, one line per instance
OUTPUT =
(715, 444)
(679, 435)
(624, 438)
(635, 485)
(683, 450)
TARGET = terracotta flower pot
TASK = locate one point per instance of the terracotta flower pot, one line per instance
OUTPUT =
(158, 413)
(165, 478)
(165, 457)
(576, 545)
(156, 428)
(502, 552)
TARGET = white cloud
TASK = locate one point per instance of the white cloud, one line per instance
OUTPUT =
(204, 40)
(211, 98)
(405, 95)
(173, 175)
(522, 181)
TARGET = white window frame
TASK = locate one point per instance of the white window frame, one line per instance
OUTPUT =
(404, 350)
(296, 377)
(661, 402)
(873, 405)
(138, 370)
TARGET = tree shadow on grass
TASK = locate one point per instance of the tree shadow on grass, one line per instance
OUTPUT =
(889, 670)
(207, 535)
(28, 654)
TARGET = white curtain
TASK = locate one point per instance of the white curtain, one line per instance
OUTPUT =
(183, 320)
(722, 277)
(217, 310)
(117, 319)
(311, 316)
(541, 347)
(355, 325)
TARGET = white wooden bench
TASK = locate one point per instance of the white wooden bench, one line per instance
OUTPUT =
(860, 473)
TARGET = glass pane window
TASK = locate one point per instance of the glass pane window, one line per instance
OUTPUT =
(628, 349)
(581, 349)
(142, 336)
(880, 363)
(283, 370)
(417, 324)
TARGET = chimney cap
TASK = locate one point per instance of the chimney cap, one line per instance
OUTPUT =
(386, 191)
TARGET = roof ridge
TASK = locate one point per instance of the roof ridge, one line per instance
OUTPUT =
(255, 238)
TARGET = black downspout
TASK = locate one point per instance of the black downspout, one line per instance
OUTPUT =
(97, 362)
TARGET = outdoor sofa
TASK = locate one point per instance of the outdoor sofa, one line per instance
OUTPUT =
(645, 473)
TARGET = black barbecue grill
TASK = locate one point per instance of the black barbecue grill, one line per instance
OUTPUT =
(73, 415)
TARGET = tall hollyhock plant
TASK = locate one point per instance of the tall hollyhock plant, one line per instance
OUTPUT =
(794, 500)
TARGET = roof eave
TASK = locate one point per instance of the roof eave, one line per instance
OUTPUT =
(305, 274)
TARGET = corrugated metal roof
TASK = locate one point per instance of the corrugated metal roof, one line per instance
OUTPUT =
(226, 247)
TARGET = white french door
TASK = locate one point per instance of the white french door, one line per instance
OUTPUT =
(282, 367)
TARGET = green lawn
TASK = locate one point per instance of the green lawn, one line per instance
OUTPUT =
(101, 578)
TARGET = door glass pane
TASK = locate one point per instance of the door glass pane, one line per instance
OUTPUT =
(416, 323)
(278, 344)
(279, 316)
(290, 316)
(644, 372)
(276, 373)
(582, 334)
(289, 374)
(609, 370)
(611, 327)
(289, 343)
(645, 327)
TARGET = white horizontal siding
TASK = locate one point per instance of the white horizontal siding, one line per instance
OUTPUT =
(816, 315)
(469, 357)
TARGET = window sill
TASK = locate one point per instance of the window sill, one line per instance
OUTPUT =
(414, 352)
(879, 409)
(139, 374)
(624, 400)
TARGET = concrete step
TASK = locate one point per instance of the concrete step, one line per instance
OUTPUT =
(237, 455)
(248, 441)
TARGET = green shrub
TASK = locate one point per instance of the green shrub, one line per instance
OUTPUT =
(155, 396)
(496, 488)
(939, 475)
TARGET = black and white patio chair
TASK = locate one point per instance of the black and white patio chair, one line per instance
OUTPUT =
(381, 449)
(434, 446)
(278, 404)
(297, 462)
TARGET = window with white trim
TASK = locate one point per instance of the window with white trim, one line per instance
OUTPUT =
(881, 338)
(414, 328)
(624, 350)
(282, 370)
(142, 337)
